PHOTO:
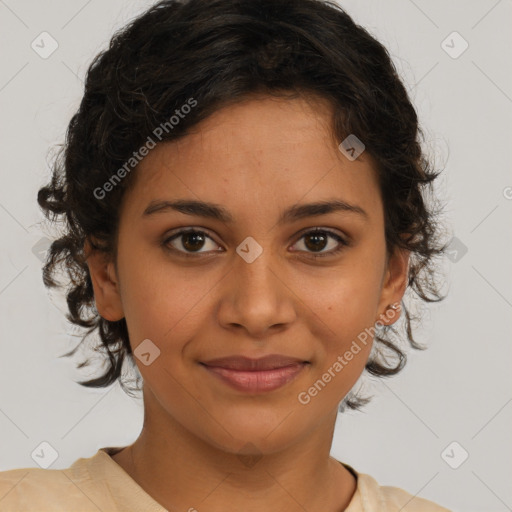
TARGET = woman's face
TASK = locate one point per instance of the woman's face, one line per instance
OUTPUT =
(249, 284)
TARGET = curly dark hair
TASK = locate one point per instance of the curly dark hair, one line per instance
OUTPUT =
(219, 52)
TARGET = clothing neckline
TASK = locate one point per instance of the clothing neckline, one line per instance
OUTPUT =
(113, 450)
(107, 452)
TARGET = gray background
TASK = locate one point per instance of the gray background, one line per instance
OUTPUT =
(458, 390)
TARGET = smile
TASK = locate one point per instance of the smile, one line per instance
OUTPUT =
(255, 375)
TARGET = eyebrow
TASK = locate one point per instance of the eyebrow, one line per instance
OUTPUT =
(217, 212)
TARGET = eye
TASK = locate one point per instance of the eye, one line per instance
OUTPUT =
(189, 241)
(317, 239)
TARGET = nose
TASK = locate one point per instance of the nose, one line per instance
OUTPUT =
(256, 297)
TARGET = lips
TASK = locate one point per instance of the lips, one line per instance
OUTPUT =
(241, 363)
(255, 375)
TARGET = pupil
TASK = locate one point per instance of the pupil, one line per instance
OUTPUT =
(197, 241)
(317, 238)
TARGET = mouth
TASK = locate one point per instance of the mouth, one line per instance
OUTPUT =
(256, 375)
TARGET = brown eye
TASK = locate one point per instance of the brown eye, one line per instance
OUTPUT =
(317, 240)
(192, 241)
(189, 241)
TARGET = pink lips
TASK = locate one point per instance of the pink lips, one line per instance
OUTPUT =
(256, 375)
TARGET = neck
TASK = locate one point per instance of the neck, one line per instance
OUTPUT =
(183, 472)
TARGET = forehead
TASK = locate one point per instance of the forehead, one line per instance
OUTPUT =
(261, 151)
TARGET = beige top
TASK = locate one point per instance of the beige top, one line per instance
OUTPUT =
(98, 483)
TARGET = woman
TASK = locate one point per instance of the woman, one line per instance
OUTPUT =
(243, 186)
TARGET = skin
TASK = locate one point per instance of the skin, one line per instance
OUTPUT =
(255, 158)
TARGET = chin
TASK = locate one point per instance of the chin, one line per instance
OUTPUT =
(253, 434)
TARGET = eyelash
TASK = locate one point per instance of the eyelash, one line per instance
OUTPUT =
(343, 243)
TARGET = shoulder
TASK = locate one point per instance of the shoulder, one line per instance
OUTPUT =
(32, 489)
(373, 496)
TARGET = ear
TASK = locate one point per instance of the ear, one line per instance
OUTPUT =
(105, 283)
(394, 284)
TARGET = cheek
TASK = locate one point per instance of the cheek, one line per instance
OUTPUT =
(345, 337)
(162, 302)
(345, 308)
(346, 300)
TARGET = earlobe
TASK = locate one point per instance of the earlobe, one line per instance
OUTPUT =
(105, 284)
